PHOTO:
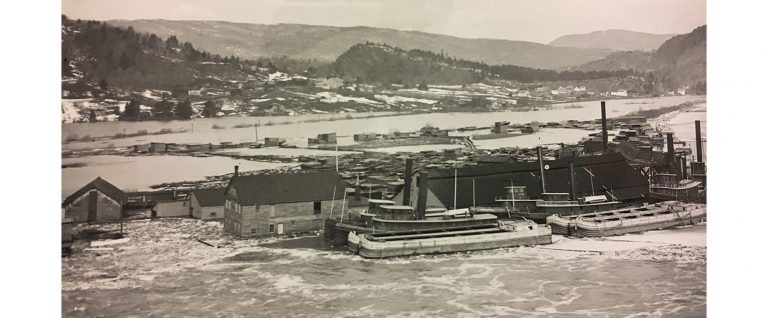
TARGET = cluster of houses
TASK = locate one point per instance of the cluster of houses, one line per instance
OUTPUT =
(250, 205)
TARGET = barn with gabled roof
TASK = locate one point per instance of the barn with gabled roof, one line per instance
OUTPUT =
(97, 201)
(281, 203)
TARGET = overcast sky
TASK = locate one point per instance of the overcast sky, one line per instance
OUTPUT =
(530, 20)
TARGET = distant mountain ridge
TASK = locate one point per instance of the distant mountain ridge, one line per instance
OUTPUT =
(613, 39)
(679, 62)
(326, 43)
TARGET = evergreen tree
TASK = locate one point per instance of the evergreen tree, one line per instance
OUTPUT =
(103, 84)
(92, 116)
(183, 110)
(172, 42)
(210, 109)
(124, 61)
(163, 110)
(423, 86)
(132, 111)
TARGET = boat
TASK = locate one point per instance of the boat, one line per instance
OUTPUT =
(517, 204)
(628, 220)
(504, 234)
(667, 187)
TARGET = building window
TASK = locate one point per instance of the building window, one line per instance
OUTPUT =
(293, 222)
(253, 231)
(271, 228)
(318, 207)
(213, 214)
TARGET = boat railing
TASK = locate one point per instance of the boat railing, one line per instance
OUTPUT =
(556, 203)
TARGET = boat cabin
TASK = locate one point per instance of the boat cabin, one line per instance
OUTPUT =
(396, 212)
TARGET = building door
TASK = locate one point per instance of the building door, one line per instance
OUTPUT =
(279, 228)
(93, 197)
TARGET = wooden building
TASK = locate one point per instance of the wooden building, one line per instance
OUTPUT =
(171, 203)
(207, 204)
(97, 201)
(274, 204)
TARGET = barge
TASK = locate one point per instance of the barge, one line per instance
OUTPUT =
(504, 234)
(628, 220)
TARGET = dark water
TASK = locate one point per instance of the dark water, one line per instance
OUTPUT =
(294, 278)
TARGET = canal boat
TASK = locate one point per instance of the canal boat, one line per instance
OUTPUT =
(504, 234)
(628, 220)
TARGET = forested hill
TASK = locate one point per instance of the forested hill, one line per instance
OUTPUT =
(678, 63)
(384, 64)
(96, 52)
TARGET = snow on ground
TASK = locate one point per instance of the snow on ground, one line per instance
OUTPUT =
(330, 97)
(149, 94)
(109, 242)
(392, 100)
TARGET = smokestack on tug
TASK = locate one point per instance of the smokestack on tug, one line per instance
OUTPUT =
(573, 180)
(699, 156)
(421, 202)
(670, 148)
(408, 181)
(236, 168)
(541, 170)
(605, 127)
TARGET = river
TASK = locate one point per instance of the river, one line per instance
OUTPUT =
(162, 272)
(297, 128)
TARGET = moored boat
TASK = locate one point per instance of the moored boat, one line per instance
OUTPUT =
(629, 220)
(505, 234)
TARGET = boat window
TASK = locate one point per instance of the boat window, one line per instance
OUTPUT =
(530, 227)
(612, 219)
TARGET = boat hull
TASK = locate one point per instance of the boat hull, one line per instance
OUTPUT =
(679, 218)
(538, 235)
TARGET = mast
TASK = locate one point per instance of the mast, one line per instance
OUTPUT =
(256, 131)
(541, 170)
(473, 193)
(333, 201)
(337, 157)
(455, 183)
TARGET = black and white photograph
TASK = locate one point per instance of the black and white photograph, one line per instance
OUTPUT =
(342, 158)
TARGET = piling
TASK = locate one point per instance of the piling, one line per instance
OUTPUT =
(408, 180)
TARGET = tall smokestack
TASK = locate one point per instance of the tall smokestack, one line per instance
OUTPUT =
(699, 156)
(605, 127)
(573, 181)
(541, 170)
(236, 168)
(684, 162)
(421, 202)
(670, 148)
(408, 180)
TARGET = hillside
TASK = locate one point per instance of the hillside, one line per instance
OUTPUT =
(385, 64)
(117, 57)
(616, 40)
(325, 43)
(623, 60)
(679, 62)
